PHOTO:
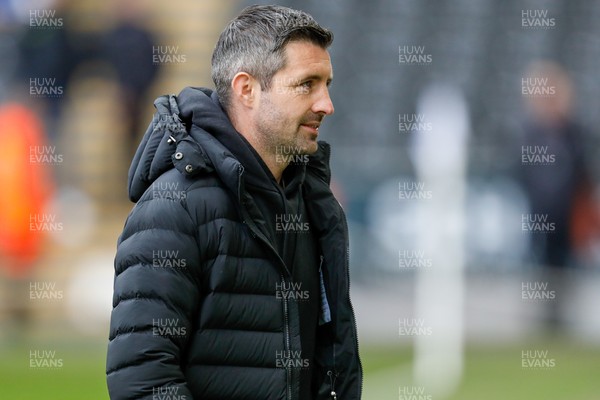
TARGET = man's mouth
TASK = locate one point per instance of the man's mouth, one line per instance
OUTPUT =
(312, 126)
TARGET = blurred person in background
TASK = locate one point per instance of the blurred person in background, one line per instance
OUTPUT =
(553, 173)
(25, 179)
(48, 55)
(231, 274)
(128, 48)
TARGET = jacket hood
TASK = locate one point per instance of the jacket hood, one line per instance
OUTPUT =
(202, 108)
(192, 132)
(153, 155)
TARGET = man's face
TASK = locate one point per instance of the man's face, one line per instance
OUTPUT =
(290, 112)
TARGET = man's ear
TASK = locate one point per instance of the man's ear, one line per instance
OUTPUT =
(245, 89)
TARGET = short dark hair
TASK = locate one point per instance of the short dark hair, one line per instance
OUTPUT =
(254, 42)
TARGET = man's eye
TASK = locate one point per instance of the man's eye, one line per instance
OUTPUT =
(307, 84)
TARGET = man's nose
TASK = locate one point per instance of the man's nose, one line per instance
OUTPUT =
(324, 105)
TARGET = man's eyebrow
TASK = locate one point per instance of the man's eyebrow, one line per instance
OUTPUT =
(317, 77)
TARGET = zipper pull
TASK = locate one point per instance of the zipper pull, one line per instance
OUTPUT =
(332, 377)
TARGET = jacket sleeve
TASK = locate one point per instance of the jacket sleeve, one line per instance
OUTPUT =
(155, 299)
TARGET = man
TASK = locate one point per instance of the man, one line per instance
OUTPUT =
(231, 274)
(555, 177)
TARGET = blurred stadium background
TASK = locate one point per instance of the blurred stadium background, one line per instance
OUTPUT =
(474, 261)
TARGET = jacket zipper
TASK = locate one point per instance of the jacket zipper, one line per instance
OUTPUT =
(256, 233)
(286, 322)
(288, 347)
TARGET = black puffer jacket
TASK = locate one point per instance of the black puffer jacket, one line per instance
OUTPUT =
(196, 314)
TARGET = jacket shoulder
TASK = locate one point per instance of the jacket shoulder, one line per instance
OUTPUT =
(181, 204)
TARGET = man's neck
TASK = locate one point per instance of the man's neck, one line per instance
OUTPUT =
(276, 167)
(271, 162)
